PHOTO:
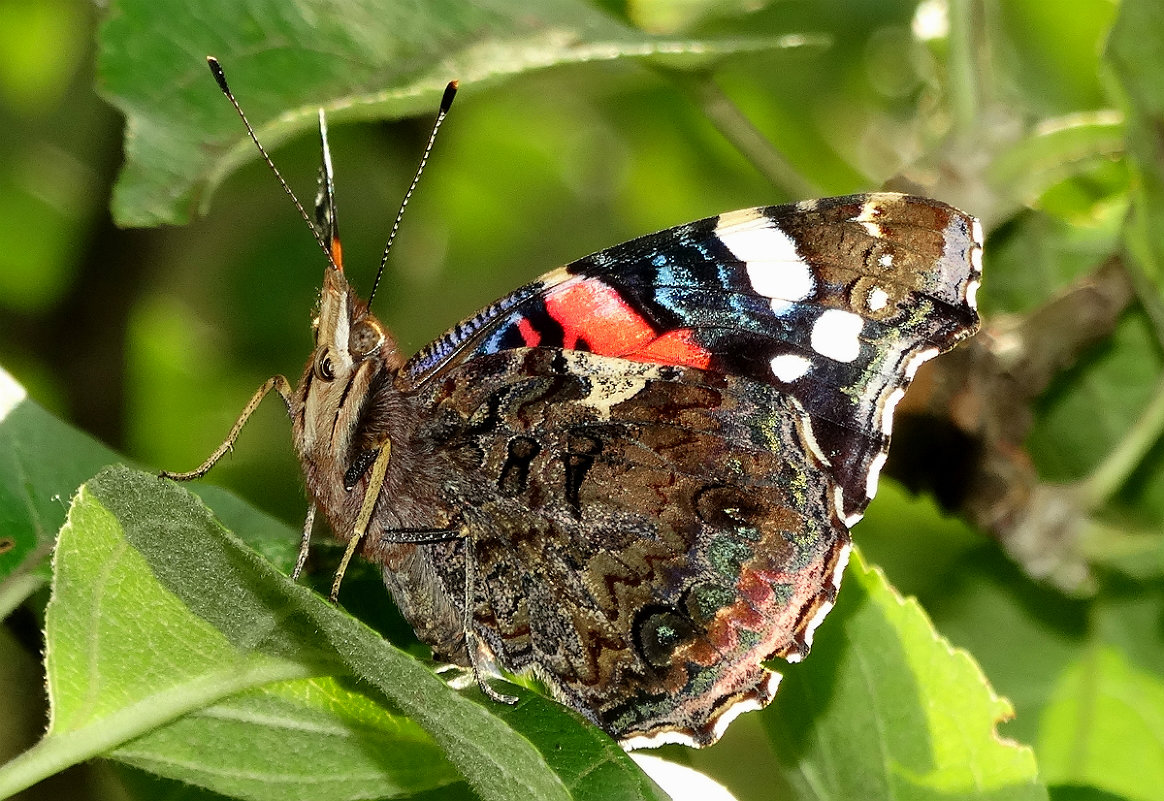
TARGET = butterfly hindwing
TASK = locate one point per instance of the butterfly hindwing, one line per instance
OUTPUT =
(653, 528)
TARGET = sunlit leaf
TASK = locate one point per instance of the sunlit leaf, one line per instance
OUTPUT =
(897, 714)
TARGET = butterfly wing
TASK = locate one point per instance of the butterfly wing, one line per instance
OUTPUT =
(836, 302)
(641, 536)
(659, 448)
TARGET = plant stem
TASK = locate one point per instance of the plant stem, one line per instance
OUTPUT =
(1114, 470)
(962, 67)
(726, 116)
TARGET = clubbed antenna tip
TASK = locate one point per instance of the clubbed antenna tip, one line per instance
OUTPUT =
(446, 103)
(450, 93)
(219, 75)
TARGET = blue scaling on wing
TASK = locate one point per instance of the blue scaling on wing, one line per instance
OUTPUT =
(449, 346)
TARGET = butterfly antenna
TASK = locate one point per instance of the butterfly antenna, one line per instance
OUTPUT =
(220, 77)
(446, 104)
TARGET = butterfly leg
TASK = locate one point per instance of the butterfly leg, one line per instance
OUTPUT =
(479, 656)
(375, 483)
(277, 383)
(304, 542)
(420, 536)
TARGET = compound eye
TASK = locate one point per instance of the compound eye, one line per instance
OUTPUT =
(323, 367)
(364, 338)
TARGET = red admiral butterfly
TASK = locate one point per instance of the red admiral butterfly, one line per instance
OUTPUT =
(635, 476)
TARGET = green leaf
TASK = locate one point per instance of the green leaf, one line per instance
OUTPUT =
(34, 486)
(287, 58)
(311, 739)
(1104, 727)
(1054, 55)
(589, 763)
(1056, 151)
(898, 714)
(43, 461)
(1110, 394)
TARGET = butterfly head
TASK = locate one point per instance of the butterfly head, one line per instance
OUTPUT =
(352, 351)
(346, 333)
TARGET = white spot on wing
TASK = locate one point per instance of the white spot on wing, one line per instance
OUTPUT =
(740, 707)
(874, 474)
(972, 292)
(917, 360)
(780, 307)
(975, 256)
(868, 216)
(836, 335)
(842, 563)
(609, 391)
(766, 689)
(759, 240)
(878, 299)
(890, 405)
(774, 266)
(804, 426)
(782, 280)
(657, 739)
(885, 260)
(839, 504)
(788, 367)
(810, 628)
(826, 607)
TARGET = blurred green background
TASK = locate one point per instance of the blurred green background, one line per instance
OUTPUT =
(153, 339)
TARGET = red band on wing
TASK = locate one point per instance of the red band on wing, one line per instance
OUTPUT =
(675, 347)
(529, 334)
(596, 314)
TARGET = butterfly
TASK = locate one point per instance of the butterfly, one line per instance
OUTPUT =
(635, 476)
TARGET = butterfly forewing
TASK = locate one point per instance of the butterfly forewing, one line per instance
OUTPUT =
(835, 302)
